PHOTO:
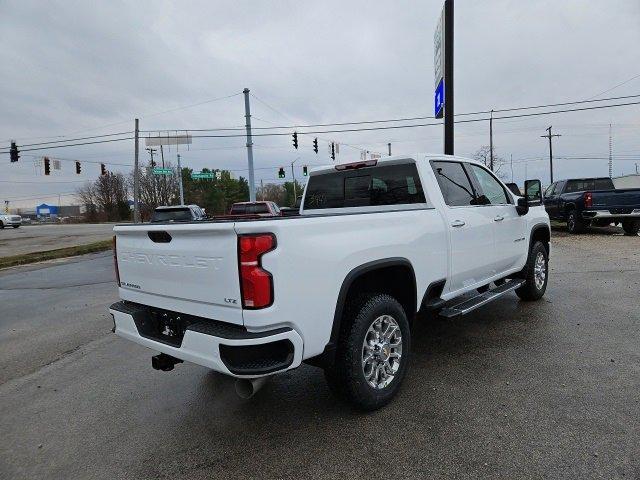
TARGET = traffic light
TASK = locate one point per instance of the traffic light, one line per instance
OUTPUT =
(295, 140)
(78, 168)
(281, 172)
(13, 152)
(315, 145)
(333, 151)
(304, 171)
(47, 166)
(103, 169)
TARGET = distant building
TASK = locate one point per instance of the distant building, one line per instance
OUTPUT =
(627, 181)
(45, 210)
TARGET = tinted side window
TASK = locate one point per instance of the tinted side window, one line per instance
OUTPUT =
(603, 184)
(454, 183)
(491, 192)
(384, 185)
(258, 208)
(239, 209)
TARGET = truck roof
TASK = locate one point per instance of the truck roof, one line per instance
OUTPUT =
(395, 159)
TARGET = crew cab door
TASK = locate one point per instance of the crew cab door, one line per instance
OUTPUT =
(470, 227)
(508, 225)
(552, 199)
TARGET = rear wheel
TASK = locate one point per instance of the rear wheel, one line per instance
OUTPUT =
(631, 227)
(574, 223)
(1, 225)
(535, 273)
(16, 226)
(373, 352)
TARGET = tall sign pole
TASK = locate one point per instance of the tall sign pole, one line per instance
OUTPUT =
(443, 69)
(448, 77)
(136, 174)
(180, 181)
(247, 115)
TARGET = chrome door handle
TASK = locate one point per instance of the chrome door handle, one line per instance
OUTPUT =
(457, 223)
(499, 218)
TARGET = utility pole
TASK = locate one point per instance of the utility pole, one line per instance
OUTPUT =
(262, 189)
(448, 77)
(247, 116)
(293, 175)
(151, 152)
(491, 141)
(180, 181)
(550, 136)
(610, 156)
(389, 145)
(165, 199)
(136, 174)
(512, 168)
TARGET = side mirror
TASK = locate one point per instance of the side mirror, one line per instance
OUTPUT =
(522, 207)
(532, 196)
(533, 192)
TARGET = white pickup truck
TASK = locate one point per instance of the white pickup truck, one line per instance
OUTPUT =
(338, 286)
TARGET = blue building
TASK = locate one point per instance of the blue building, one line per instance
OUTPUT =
(45, 210)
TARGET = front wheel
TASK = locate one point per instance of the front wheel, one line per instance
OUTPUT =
(535, 273)
(372, 353)
(631, 227)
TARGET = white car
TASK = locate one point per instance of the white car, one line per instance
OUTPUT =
(339, 285)
(7, 220)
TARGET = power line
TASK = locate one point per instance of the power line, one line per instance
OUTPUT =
(613, 88)
(76, 139)
(402, 119)
(71, 145)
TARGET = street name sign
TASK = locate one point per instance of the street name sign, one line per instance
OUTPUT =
(202, 175)
(162, 171)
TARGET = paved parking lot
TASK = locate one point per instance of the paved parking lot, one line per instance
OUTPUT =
(516, 390)
(37, 238)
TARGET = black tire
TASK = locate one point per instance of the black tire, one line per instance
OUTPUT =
(15, 226)
(1, 225)
(631, 227)
(574, 223)
(346, 378)
(534, 290)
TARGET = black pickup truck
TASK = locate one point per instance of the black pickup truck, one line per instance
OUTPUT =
(582, 202)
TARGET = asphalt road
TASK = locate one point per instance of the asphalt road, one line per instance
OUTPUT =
(517, 390)
(37, 238)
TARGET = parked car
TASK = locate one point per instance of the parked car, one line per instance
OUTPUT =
(262, 209)
(593, 201)
(178, 213)
(337, 286)
(7, 220)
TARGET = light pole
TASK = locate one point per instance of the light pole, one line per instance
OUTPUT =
(293, 175)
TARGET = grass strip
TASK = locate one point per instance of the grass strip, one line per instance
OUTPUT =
(34, 257)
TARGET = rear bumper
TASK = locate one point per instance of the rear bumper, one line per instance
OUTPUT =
(221, 347)
(598, 214)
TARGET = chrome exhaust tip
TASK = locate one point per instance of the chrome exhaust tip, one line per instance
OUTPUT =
(247, 387)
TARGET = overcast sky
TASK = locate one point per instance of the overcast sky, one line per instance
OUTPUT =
(88, 68)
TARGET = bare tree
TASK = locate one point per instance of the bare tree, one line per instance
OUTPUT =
(483, 155)
(111, 196)
(87, 196)
(272, 192)
(156, 190)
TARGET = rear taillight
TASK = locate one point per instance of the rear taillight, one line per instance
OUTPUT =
(588, 199)
(115, 260)
(256, 284)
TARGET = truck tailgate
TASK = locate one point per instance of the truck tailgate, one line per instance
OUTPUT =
(616, 198)
(188, 268)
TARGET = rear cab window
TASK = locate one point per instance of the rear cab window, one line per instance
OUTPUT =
(387, 184)
(172, 215)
